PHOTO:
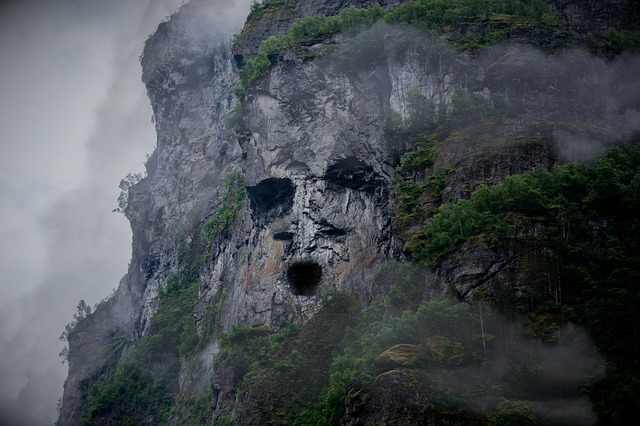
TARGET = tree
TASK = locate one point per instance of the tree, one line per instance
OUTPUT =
(83, 310)
(125, 184)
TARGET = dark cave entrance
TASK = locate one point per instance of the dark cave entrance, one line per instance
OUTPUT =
(304, 277)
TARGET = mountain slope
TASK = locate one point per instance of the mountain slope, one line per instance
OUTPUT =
(293, 247)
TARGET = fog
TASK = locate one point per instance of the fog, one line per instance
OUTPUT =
(74, 120)
(549, 377)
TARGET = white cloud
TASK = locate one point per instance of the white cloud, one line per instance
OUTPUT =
(74, 119)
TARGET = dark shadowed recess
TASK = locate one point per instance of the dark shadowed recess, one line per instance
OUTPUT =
(353, 173)
(304, 277)
(272, 196)
(328, 230)
(283, 235)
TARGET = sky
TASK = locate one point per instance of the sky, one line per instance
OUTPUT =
(74, 120)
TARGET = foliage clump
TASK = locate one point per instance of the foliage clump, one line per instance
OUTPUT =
(221, 224)
(304, 30)
(258, 8)
(623, 40)
(82, 311)
(125, 184)
(415, 139)
(564, 200)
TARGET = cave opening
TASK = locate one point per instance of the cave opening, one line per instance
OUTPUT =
(353, 173)
(272, 196)
(304, 277)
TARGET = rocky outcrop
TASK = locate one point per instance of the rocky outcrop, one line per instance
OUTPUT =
(317, 216)
(602, 15)
(407, 392)
(276, 16)
(318, 171)
(189, 74)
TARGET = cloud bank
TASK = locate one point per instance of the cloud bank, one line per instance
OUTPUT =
(75, 119)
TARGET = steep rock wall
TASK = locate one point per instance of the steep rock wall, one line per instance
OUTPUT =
(312, 147)
(188, 71)
(278, 17)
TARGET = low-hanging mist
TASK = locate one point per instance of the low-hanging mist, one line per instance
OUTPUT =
(78, 123)
(316, 198)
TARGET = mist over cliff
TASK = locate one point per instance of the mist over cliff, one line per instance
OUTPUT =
(75, 119)
(368, 212)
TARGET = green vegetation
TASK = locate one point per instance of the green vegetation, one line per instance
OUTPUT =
(233, 119)
(353, 369)
(513, 413)
(220, 225)
(426, 119)
(468, 107)
(412, 186)
(126, 183)
(494, 21)
(259, 7)
(432, 14)
(563, 200)
(224, 421)
(287, 370)
(316, 27)
(305, 374)
(82, 311)
(143, 386)
(419, 135)
(585, 214)
(243, 348)
(623, 40)
(145, 382)
(202, 411)
(490, 20)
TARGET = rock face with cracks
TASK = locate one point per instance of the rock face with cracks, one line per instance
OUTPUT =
(311, 146)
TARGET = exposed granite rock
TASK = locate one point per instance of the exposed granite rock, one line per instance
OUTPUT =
(317, 219)
(405, 396)
(401, 355)
(278, 18)
(607, 14)
(189, 74)
(476, 271)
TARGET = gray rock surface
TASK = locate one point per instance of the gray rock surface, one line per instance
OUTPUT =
(278, 19)
(311, 145)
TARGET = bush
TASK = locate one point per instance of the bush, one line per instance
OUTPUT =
(453, 224)
(624, 40)
(244, 349)
(565, 198)
(514, 413)
(232, 200)
(305, 30)
(259, 8)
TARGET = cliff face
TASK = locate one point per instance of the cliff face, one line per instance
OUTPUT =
(189, 74)
(278, 16)
(313, 147)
